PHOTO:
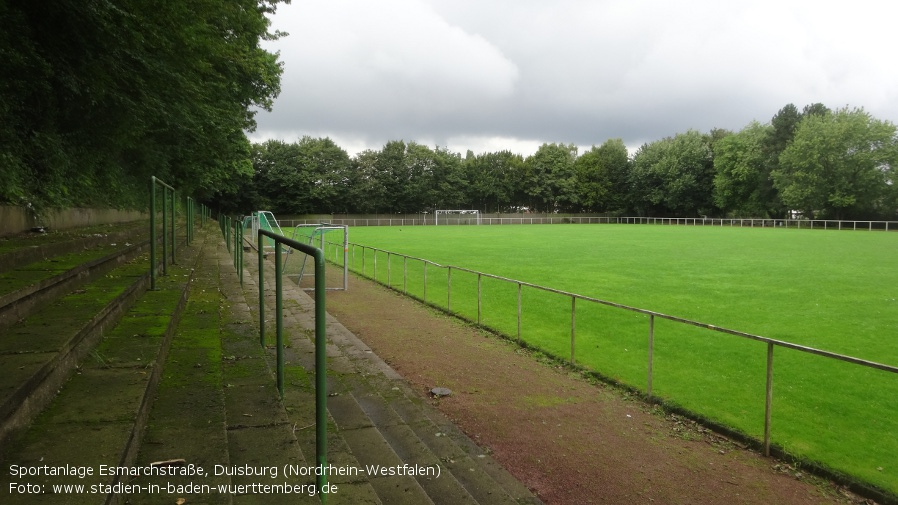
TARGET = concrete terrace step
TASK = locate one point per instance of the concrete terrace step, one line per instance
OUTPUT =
(217, 405)
(22, 249)
(382, 422)
(40, 352)
(36, 284)
(99, 415)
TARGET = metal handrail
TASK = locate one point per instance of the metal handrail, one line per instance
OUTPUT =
(652, 315)
(320, 337)
(165, 191)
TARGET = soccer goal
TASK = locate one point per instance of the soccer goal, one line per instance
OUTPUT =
(261, 219)
(330, 238)
(453, 216)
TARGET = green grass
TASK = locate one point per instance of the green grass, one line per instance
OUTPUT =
(832, 290)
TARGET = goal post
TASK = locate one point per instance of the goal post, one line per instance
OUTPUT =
(456, 216)
(335, 251)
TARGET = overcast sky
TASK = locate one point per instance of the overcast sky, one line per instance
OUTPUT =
(512, 74)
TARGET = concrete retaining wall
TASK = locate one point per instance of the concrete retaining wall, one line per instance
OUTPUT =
(18, 219)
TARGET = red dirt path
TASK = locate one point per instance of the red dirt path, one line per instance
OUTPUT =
(569, 439)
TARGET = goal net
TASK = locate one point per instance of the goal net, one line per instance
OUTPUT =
(261, 219)
(455, 216)
(333, 240)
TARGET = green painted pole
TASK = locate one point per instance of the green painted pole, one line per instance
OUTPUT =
(261, 292)
(164, 231)
(152, 232)
(279, 317)
(174, 197)
(320, 338)
(320, 372)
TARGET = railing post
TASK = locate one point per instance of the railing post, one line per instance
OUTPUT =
(648, 388)
(261, 292)
(769, 399)
(519, 312)
(279, 317)
(320, 372)
(240, 269)
(174, 197)
(424, 295)
(479, 298)
(164, 231)
(405, 274)
(152, 232)
(449, 289)
(573, 326)
(389, 270)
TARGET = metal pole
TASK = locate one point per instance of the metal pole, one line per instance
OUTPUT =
(573, 326)
(449, 289)
(519, 313)
(648, 389)
(240, 270)
(405, 274)
(769, 399)
(261, 293)
(320, 372)
(174, 197)
(479, 291)
(424, 296)
(279, 316)
(164, 231)
(152, 232)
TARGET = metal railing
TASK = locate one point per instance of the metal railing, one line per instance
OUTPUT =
(320, 336)
(574, 298)
(166, 190)
(232, 231)
(169, 198)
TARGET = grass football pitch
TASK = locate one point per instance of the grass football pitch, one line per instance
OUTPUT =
(831, 290)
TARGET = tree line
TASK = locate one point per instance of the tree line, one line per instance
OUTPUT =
(96, 96)
(817, 162)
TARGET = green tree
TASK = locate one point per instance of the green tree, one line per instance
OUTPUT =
(447, 184)
(740, 180)
(600, 173)
(840, 164)
(494, 179)
(550, 181)
(368, 190)
(673, 176)
(98, 95)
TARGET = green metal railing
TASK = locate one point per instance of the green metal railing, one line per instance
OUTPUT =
(320, 336)
(232, 231)
(238, 248)
(169, 198)
(166, 190)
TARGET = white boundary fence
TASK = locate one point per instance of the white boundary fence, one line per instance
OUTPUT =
(495, 219)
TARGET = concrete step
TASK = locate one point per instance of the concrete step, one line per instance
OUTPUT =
(36, 284)
(217, 406)
(99, 415)
(19, 250)
(40, 352)
(383, 423)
